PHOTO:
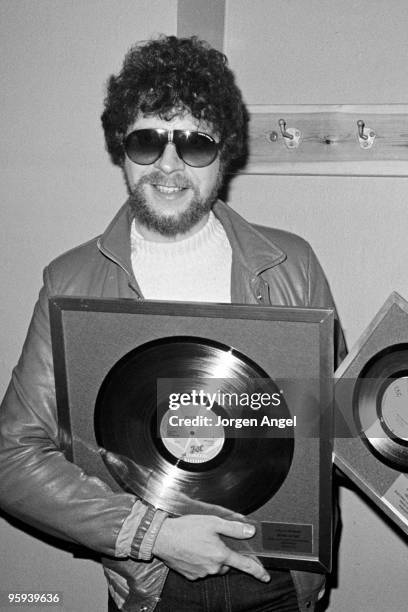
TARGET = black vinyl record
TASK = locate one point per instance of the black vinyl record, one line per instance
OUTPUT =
(176, 468)
(380, 404)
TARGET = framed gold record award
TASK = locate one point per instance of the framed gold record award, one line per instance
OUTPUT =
(205, 408)
(371, 423)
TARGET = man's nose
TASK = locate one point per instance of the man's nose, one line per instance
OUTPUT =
(169, 161)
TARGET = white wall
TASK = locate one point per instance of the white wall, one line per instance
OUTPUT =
(336, 52)
(58, 189)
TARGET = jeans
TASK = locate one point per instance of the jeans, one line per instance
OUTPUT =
(233, 592)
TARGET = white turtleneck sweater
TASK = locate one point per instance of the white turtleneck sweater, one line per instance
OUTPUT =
(197, 269)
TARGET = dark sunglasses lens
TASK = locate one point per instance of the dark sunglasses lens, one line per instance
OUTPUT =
(145, 146)
(195, 149)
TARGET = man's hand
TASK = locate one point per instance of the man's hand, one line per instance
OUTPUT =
(191, 545)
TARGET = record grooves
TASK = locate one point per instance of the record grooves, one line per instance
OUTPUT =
(174, 473)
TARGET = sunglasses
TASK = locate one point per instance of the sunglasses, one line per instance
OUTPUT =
(146, 146)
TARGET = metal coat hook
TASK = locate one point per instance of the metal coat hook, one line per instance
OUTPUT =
(285, 134)
(291, 136)
(366, 136)
(361, 126)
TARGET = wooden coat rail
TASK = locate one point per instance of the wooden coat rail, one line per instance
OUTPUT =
(360, 140)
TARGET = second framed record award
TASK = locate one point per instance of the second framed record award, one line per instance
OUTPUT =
(371, 396)
(205, 408)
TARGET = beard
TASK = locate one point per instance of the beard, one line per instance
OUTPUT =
(179, 223)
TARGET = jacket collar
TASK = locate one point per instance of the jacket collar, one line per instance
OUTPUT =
(249, 246)
(115, 241)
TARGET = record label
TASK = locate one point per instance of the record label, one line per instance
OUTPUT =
(394, 407)
(196, 440)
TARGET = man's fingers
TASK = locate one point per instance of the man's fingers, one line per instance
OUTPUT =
(247, 565)
(236, 529)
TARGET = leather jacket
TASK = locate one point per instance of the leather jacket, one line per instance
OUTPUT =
(39, 486)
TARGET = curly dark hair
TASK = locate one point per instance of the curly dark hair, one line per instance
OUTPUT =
(167, 76)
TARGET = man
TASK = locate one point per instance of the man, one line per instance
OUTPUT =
(174, 121)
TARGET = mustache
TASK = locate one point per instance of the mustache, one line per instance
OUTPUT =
(158, 178)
